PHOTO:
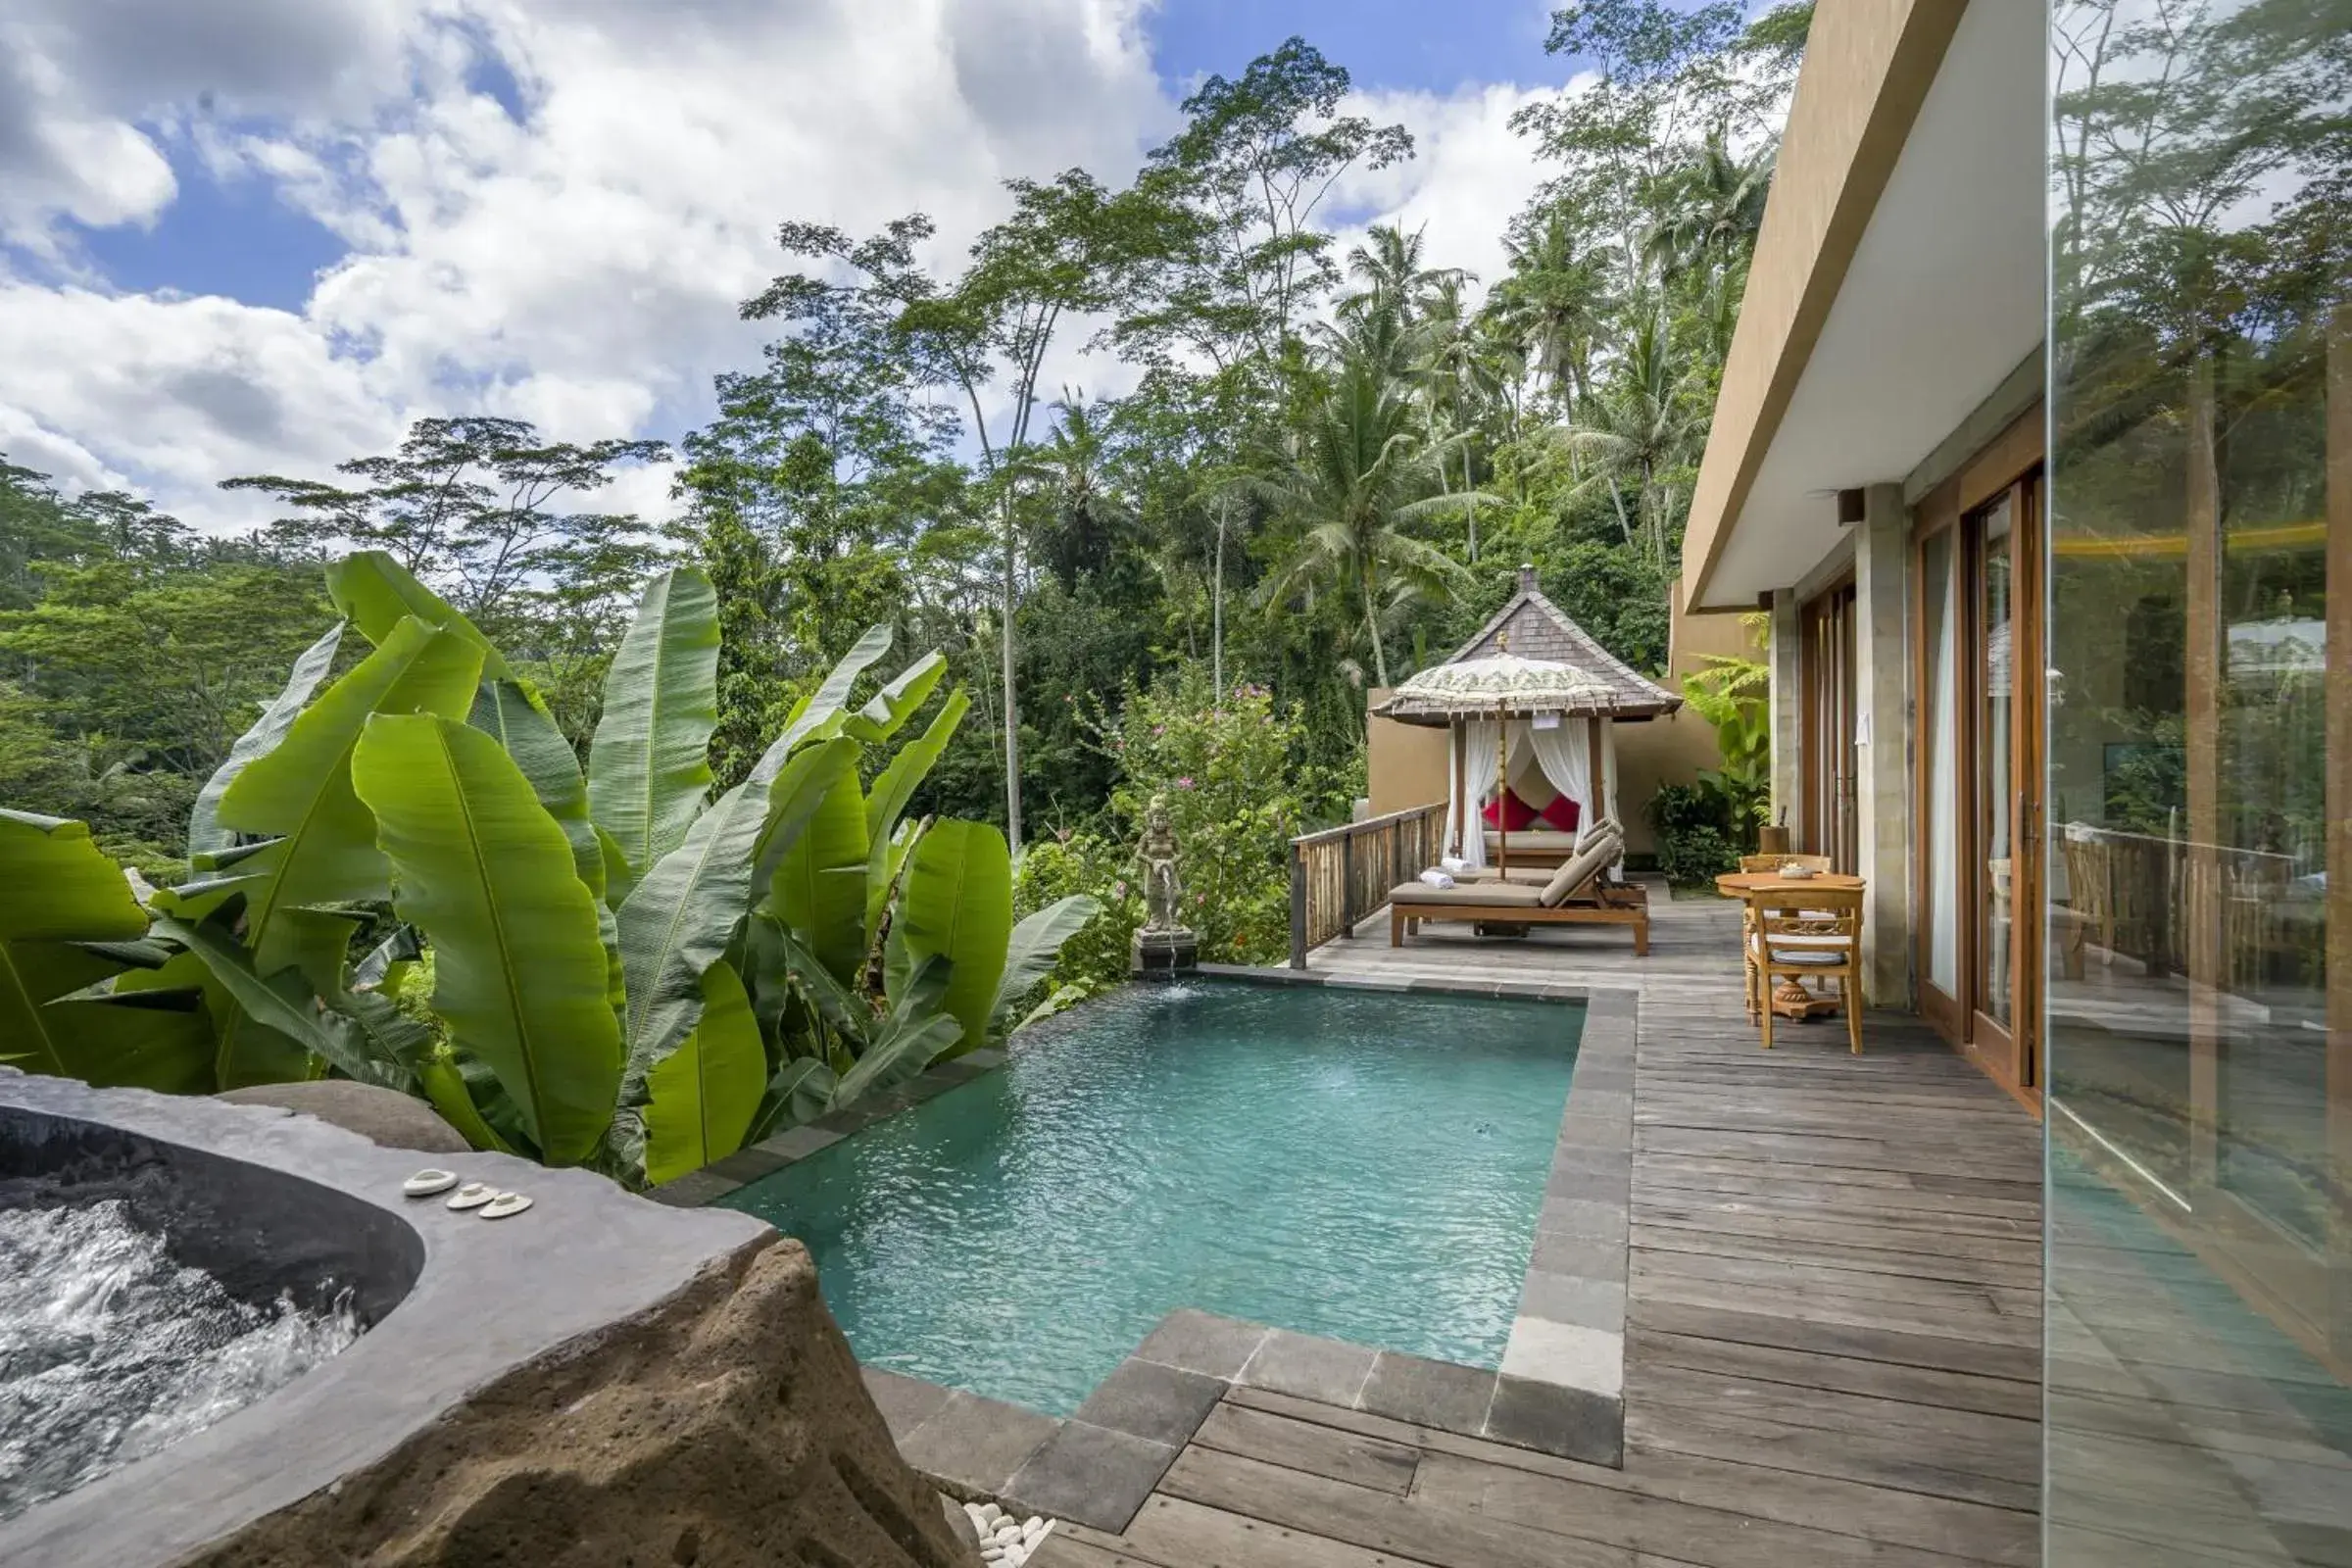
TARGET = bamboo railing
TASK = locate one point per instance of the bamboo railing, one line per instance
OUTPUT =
(1343, 874)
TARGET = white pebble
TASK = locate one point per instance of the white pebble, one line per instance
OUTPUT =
(989, 1513)
(992, 1552)
(1007, 1532)
(1015, 1556)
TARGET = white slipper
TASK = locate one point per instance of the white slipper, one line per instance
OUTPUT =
(473, 1195)
(504, 1203)
(425, 1183)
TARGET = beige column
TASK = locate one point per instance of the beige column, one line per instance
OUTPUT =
(1788, 711)
(1883, 755)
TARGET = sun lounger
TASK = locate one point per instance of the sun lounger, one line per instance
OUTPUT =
(1573, 895)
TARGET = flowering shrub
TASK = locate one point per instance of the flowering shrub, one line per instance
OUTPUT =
(1236, 795)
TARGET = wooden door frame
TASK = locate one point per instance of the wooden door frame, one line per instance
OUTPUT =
(1815, 769)
(2011, 459)
(1940, 517)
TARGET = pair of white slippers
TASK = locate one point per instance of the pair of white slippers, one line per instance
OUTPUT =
(479, 1196)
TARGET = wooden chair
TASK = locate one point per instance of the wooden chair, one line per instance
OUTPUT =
(1748, 916)
(1819, 937)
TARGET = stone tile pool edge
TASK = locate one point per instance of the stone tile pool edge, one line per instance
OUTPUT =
(1560, 1389)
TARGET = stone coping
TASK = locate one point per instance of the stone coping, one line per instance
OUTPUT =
(488, 1299)
(1560, 1389)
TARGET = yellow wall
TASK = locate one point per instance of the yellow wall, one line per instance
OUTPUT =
(1406, 762)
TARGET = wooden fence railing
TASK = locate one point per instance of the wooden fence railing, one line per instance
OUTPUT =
(2149, 899)
(1341, 874)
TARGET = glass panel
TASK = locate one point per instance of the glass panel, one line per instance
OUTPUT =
(1941, 594)
(1996, 738)
(2200, 774)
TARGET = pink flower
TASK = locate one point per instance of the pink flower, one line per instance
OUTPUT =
(1118, 890)
(1184, 783)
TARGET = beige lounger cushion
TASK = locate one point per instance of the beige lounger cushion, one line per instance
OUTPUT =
(1534, 841)
(1581, 868)
(1500, 895)
(1593, 834)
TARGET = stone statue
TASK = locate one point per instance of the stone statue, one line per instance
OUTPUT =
(1162, 947)
(1163, 893)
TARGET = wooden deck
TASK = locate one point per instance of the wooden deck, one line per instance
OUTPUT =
(1833, 1322)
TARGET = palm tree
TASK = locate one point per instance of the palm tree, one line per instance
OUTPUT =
(1396, 284)
(1646, 420)
(1720, 209)
(1556, 302)
(1456, 379)
(1358, 475)
(1072, 473)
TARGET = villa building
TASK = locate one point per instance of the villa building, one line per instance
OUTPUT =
(2035, 441)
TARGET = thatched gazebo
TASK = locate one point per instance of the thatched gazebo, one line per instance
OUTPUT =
(1534, 686)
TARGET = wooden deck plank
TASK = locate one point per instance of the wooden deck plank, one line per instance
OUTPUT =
(1833, 1348)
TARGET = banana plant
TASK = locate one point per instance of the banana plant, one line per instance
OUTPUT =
(600, 965)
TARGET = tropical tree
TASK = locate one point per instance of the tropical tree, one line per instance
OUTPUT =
(1360, 474)
(1643, 423)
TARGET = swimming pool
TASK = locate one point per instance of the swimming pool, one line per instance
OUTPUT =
(1361, 1165)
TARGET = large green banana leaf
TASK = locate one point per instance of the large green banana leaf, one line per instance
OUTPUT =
(707, 1092)
(54, 883)
(503, 709)
(819, 716)
(300, 792)
(1036, 943)
(375, 593)
(680, 919)
(915, 1034)
(487, 875)
(57, 885)
(887, 801)
(164, 1044)
(897, 702)
(955, 902)
(649, 767)
(206, 836)
(285, 1003)
(819, 886)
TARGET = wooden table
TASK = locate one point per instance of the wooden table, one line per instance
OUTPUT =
(1791, 999)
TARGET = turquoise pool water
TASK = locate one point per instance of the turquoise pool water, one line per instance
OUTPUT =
(1356, 1164)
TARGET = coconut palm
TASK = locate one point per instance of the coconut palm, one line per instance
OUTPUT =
(1646, 420)
(1556, 302)
(1396, 283)
(1458, 380)
(1719, 210)
(1360, 473)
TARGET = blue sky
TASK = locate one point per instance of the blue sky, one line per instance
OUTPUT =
(238, 237)
(263, 235)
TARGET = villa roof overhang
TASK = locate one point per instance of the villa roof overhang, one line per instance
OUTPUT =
(1897, 284)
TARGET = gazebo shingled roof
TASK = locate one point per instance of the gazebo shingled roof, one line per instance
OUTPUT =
(1534, 627)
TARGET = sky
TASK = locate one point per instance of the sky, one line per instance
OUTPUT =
(264, 236)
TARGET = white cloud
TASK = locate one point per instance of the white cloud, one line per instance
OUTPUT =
(1470, 175)
(581, 267)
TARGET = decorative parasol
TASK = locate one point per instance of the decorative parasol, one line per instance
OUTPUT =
(1499, 683)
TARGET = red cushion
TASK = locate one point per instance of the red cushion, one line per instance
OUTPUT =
(1562, 813)
(1509, 812)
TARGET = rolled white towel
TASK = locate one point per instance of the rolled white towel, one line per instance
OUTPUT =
(1436, 878)
(1455, 864)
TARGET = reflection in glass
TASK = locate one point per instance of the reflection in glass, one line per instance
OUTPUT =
(1996, 737)
(2200, 1255)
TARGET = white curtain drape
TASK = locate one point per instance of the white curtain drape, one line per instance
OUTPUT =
(1478, 751)
(1608, 751)
(1560, 751)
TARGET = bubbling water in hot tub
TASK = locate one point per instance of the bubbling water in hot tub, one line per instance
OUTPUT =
(111, 1349)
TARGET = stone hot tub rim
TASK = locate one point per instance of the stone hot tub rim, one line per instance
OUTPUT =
(481, 1298)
